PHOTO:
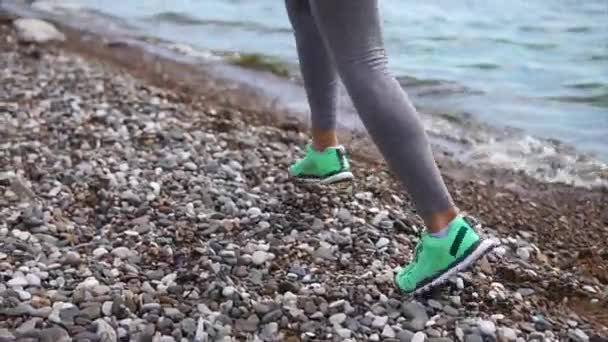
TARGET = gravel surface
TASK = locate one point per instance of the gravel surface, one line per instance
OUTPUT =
(128, 215)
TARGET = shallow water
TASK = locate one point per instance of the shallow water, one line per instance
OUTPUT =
(539, 66)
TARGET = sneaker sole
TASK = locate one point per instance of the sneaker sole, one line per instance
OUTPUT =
(482, 249)
(337, 178)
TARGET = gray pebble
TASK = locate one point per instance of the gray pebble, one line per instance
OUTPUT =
(388, 332)
(173, 313)
(405, 336)
(435, 304)
(506, 334)
(248, 325)
(72, 258)
(189, 326)
(473, 338)
(379, 322)
(92, 311)
(54, 334)
(337, 319)
(121, 252)
(419, 337)
(487, 328)
(272, 316)
(106, 308)
(578, 335)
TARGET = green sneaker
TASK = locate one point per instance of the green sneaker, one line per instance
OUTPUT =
(329, 166)
(438, 259)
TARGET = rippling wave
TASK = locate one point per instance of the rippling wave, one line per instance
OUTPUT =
(180, 18)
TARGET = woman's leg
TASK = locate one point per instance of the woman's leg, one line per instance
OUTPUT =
(320, 76)
(352, 33)
(325, 160)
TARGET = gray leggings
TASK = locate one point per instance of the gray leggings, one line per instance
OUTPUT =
(344, 37)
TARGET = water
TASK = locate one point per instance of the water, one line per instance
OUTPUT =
(540, 66)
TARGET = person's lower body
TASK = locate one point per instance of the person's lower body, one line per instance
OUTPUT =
(343, 38)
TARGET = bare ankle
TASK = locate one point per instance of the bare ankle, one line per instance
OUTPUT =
(322, 139)
(440, 220)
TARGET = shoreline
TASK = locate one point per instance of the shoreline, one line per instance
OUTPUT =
(457, 141)
(508, 201)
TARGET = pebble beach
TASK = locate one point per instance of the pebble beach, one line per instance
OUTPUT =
(136, 206)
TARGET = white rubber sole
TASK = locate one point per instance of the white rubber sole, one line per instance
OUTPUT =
(337, 178)
(484, 247)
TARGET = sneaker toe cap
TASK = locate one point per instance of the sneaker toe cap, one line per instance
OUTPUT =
(404, 281)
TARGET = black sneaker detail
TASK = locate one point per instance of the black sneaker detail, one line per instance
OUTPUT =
(458, 240)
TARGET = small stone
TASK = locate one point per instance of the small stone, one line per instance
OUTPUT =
(99, 252)
(382, 242)
(435, 304)
(5, 335)
(55, 334)
(248, 325)
(433, 333)
(589, 289)
(419, 337)
(473, 338)
(451, 311)
(68, 313)
(106, 308)
(526, 291)
(572, 323)
(121, 252)
(189, 326)
(19, 281)
(33, 280)
(72, 258)
(506, 334)
(190, 166)
(100, 290)
(344, 215)
(254, 212)
(104, 331)
(228, 291)
(260, 257)
(523, 253)
(92, 311)
(345, 333)
(269, 331)
(578, 335)
(460, 283)
(487, 328)
(324, 252)
(459, 334)
(28, 325)
(37, 31)
(337, 319)
(405, 336)
(416, 312)
(272, 316)
(173, 313)
(541, 324)
(388, 332)
(379, 322)
(456, 301)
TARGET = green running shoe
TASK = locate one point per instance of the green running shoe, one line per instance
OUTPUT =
(329, 166)
(438, 259)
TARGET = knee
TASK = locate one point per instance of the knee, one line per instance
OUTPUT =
(364, 72)
(372, 61)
